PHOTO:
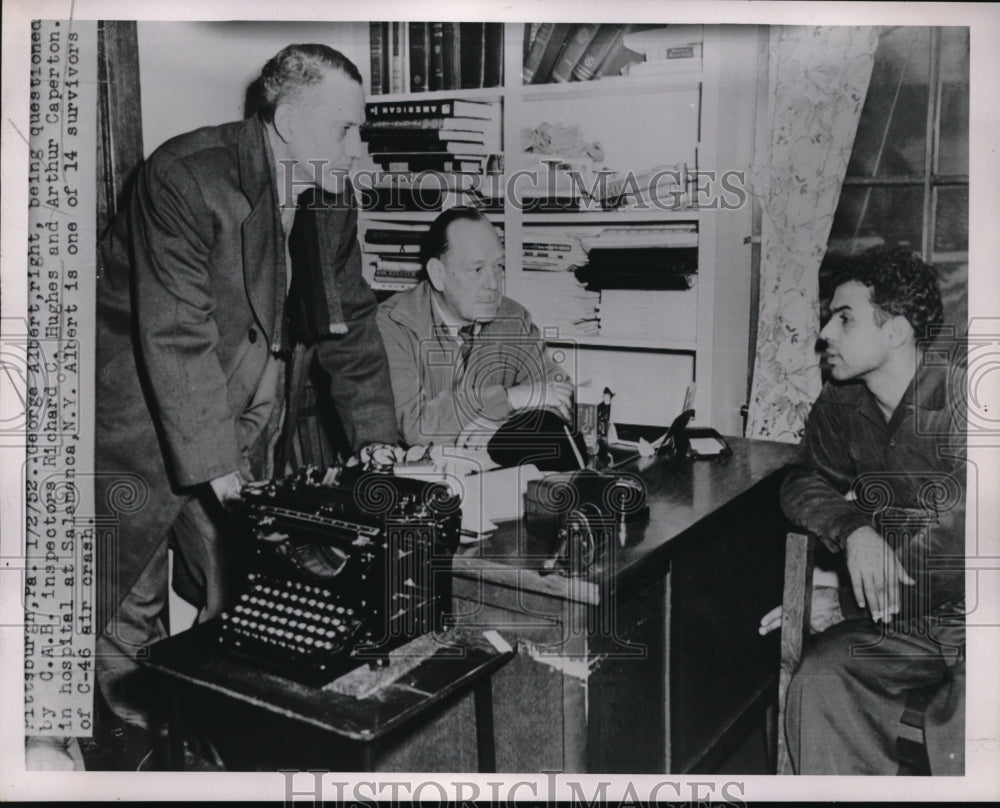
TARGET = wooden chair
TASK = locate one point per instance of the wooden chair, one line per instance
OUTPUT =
(796, 604)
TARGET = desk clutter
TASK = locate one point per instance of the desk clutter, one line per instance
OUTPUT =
(349, 564)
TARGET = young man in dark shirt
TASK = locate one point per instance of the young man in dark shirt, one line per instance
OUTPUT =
(880, 477)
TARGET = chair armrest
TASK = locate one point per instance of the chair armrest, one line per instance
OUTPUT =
(795, 608)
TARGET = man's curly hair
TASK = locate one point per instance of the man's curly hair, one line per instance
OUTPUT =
(900, 283)
(296, 67)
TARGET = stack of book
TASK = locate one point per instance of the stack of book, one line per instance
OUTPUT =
(665, 49)
(549, 257)
(447, 135)
(644, 275)
(391, 256)
(560, 52)
(419, 56)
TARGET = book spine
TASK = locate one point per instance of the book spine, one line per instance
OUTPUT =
(404, 146)
(436, 78)
(399, 111)
(553, 50)
(379, 135)
(432, 161)
(604, 41)
(472, 54)
(451, 56)
(493, 55)
(395, 60)
(395, 237)
(575, 48)
(377, 41)
(418, 56)
(534, 55)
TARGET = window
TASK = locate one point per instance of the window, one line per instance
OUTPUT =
(907, 181)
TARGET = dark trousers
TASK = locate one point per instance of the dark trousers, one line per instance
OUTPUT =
(845, 702)
(199, 577)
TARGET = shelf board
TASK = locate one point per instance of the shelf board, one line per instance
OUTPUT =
(682, 80)
(671, 345)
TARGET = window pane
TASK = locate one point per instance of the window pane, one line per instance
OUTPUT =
(869, 216)
(953, 278)
(893, 125)
(953, 147)
(951, 219)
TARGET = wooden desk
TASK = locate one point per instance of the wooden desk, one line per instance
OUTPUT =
(654, 663)
(294, 725)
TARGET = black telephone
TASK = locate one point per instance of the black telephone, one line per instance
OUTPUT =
(677, 443)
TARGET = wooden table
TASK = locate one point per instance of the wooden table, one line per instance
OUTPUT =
(653, 663)
(292, 724)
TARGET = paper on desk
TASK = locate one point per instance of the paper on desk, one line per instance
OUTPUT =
(494, 496)
(706, 447)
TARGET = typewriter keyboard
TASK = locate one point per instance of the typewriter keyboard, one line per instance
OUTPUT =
(304, 629)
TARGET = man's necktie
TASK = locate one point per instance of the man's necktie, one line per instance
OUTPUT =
(467, 334)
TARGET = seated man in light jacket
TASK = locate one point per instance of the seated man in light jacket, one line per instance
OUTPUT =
(460, 352)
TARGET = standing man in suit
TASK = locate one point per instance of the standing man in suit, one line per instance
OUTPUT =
(880, 477)
(236, 256)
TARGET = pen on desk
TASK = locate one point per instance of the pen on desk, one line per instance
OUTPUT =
(576, 450)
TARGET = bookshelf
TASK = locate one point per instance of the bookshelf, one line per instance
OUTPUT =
(696, 117)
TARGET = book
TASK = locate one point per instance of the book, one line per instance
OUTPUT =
(426, 135)
(381, 147)
(617, 61)
(533, 54)
(653, 41)
(493, 55)
(441, 108)
(605, 40)
(431, 161)
(451, 56)
(553, 47)
(471, 125)
(436, 72)
(473, 42)
(402, 237)
(399, 266)
(579, 38)
(395, 59)
(377, 34)
(530, 32)
(419, 53)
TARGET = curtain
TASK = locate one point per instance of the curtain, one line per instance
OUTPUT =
(818, 78)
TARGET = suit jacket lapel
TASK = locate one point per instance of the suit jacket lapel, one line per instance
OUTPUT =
(264, 268)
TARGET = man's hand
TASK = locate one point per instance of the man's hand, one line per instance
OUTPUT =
(825, 612)
(875, 572)
(377, 457)
(556, 395)
(227, 489)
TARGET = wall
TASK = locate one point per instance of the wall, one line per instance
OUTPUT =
(197, 73)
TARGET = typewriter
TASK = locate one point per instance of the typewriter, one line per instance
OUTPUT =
(344, 569)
